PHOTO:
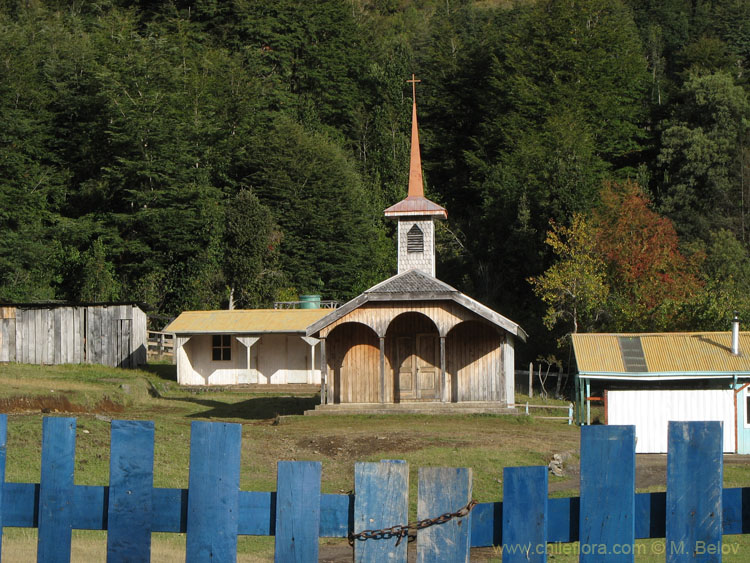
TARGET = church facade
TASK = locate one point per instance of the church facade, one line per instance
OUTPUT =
(413, 339)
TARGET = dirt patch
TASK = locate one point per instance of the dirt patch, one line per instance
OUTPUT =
(358, 446)
(56, 403)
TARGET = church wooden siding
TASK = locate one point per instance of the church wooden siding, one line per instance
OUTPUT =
(378, 316)
(354, 364)
(474, 363)
(113, 335)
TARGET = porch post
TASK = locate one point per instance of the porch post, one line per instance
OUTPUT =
(443, 397)
(382, 369)
(324, 399)
(311, 342)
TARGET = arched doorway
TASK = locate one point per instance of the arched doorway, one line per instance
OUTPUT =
(412, 347)
(353, 358)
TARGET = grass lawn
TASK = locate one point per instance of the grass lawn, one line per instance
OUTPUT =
(272, 430)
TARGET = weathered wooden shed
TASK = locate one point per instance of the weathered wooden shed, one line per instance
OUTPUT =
(413, 339)
(649, 379)
(263, 346)
(112, 334)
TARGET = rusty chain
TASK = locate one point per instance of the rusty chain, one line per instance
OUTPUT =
(410, 530)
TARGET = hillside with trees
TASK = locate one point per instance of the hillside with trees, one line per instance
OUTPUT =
(593, 155)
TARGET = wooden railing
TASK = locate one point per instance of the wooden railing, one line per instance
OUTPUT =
(526, 406)
(606, 519)
(160, 345)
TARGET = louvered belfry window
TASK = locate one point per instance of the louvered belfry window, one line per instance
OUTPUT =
(415, 240)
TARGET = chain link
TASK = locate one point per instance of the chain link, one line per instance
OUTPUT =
(410, 530)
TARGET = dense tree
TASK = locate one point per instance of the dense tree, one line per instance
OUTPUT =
(648, 274)
(703, 157)
(575, 287)
(251, 255)
(332, 239)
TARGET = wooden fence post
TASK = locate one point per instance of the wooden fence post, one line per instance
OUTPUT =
(297, 511)
(381, 500)
(131, 484)
(525, 492)
(56, 489)
(694, 491)
(443, 490)
(214, 482)
(607, 517)
(531, 379)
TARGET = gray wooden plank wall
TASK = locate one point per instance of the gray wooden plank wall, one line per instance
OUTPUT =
(114, 335)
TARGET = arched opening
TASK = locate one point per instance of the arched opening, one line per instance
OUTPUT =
(474, 362)
(353, 357)
(412, 350)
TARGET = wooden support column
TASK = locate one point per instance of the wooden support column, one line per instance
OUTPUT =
(443, 393)
(248, 342)
(311, 342)
(382, 369)
(324, 398)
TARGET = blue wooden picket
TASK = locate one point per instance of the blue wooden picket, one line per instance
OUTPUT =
(694, 455)
(381, 501)
(131, 480)
(525, 514)
(607, 524)
(214, 486)
(297, 511)
(692, 515)
(443, 490)
(56, 489)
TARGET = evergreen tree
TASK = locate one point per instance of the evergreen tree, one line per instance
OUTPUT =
(251, 252)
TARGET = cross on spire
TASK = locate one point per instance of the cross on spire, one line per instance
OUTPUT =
(413, 83)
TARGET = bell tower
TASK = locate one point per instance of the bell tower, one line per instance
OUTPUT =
(416, 214)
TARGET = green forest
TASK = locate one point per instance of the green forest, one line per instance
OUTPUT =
(593, 155)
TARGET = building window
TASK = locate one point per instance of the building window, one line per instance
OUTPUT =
(747, 407)
(415, 240)
(222, 347)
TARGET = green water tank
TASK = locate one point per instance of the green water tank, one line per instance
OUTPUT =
(309, 301)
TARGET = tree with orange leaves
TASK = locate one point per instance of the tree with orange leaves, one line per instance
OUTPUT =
(649, 276)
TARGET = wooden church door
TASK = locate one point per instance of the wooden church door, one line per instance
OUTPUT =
(417, 374)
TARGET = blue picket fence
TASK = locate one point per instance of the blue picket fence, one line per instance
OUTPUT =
(606, 519)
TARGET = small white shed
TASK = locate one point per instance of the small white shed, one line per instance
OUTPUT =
(650, 379)
(261, 346)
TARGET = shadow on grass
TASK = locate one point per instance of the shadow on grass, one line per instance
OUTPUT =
(167, 372)
(259, 408)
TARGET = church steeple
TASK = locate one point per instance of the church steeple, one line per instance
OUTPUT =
(416, 184)
(416, 213)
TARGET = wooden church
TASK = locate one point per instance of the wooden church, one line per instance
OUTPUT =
(412, 342)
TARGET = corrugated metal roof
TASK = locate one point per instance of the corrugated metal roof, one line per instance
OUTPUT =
(689, 353)
(241, 321)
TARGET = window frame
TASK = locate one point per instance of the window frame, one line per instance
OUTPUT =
(221, 346)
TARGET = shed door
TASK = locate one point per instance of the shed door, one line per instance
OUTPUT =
(650, 411)
(123, 350)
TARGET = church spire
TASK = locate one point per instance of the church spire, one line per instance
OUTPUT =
(416, 185)
(416, 214)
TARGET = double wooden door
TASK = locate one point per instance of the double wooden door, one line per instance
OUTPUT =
(418, 375)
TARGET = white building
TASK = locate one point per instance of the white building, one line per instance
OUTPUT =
(264, 346)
